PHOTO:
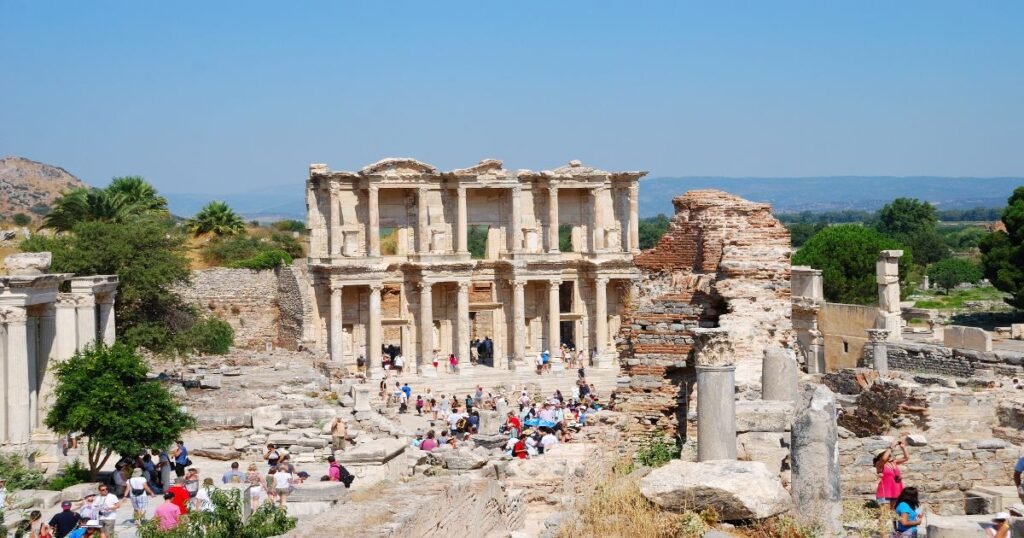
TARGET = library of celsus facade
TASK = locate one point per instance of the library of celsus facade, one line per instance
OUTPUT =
(405, 257)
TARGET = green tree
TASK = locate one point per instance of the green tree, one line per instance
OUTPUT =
(846, 255)
(1002, 253)
(800, 232)
(21, 219)
(225, 521)
(290, 225)
(651, 229)
(217, 218)
(125, 199)
(104, 392)
(912, 222)
(951, 272)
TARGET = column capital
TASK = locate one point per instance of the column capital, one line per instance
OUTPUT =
(878, 335)
(84, 300)
(553, 187)
(376, 287)
(713, 348)
(601, 280)
(554, 283)
(516, 283)
(425, 287)
(13, 314)
(107, 298)
(337, 288)
(463, 286)
(372, 188)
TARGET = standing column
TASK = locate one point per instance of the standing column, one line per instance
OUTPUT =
(515, 241)
(46, 350)
(634, 219)
(552, 217)
(427, 324)
(518, 321)
(373, 230)
(335, 248)
(595, 221)
(887, 275)
(337, 335)
(423, 222)
(716, 388)
(32, 365)
(463, 229)
(373, 334)
(85, 312)
(108, 327)
(600, 318)
(879, 350)
(17, 375)
(554, 320)
(814, 457)
(462, 321)
(67, 338)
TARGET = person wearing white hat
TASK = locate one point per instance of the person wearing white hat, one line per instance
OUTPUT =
(1000, 527)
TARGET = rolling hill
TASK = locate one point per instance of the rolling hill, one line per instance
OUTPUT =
(30, 187)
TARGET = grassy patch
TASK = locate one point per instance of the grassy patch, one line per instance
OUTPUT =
(956, 299)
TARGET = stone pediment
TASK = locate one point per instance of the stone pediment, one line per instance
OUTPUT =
(398, 166)
(486, 166)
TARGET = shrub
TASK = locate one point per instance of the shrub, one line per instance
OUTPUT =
(18, 474)
(225, 521)
(951, 272)
(657, 452)
(72, 474)
(290, 225)
(208, 335)
(268, 259)
(21, 219)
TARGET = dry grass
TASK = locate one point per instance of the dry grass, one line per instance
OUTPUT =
(868, 521)
(371, 493)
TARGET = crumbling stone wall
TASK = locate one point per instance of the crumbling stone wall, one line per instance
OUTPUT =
(942, 360)
(724, 261)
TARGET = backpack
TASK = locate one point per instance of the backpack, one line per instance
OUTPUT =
(461, 424)
(346, 477)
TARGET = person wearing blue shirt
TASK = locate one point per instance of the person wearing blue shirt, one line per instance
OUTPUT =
(181, 460)
(1017, 470)
(407, 390)
(908, 512)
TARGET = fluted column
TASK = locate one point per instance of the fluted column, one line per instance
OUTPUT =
(515, 242)
(85, 312)
(427, 323)
(634, 219)
(423, 222)
(463, 229)
(336, 338)
(67, 327)
(595, 221)
(45, 352)
(32, 365)
(336, 239)
(553, 217)
(554, 318)
(519, 321)
(600, 316)
(373, 228)
(462, 321)
(373, 334)
(16, 378)
(108, 327)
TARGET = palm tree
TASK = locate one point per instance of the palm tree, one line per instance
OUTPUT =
(216, 218)
(124, 199)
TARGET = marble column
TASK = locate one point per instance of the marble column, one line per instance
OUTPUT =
(108, 324)
(45, 352)
(67, 332)
(373, 227)
(716, 393)
(336, 239)
(634, 219)
(337, 332)
(16, 377)
(553, 217)
(423, 223)
(85, 313)
(462, 321)
(554, 321)
(373, 334)
(600, 316)
(779, 375)
(887, 276)
(518, 321)
(515, 241)
(427, 324)
(814, 461)
(595, 221)
(32, 364)
(879, 349)
(463, 228)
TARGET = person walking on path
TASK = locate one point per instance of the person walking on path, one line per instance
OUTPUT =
(890, 480)
(64, 521)
(139, 493)
(106, 509)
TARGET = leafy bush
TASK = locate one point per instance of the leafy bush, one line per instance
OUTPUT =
(657, 452)
(18, 474)
(290, 225)
(21, 219)
(846, 255)
(208, 335)
(74, 473)
(268, 259)
(951, 272)
(225, 521)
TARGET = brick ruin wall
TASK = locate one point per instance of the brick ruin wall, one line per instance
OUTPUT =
(941, 360)
(261, 306)
(724, 261)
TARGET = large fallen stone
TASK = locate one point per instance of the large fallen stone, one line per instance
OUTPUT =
(34, 498)
(28, 263)
(735, 489)
(268, 415)
(763, 416)
(317, 492)
(376, 451)
(78, 491)
(222, 454)
(769, 448)
(458, 460)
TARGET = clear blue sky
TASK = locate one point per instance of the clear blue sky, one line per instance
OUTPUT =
(219, 97)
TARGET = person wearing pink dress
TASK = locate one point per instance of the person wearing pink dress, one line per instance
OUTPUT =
(890, 481)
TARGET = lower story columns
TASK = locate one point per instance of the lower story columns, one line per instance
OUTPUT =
(373, 334)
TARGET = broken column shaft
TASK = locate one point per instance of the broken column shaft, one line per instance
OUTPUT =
(716, 400)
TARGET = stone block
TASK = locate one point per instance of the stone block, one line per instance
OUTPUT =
(78, 491)
(1017, 331)
(283, 439)
(36, 498)
(28, 263)
(376, 451)
(221, 454)
(763, 416)
(735, 489)
(317, 492)
(269, 415)
(211, 381)
(917, 439)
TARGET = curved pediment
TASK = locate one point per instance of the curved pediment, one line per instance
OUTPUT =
(401, 166)
(483, 167)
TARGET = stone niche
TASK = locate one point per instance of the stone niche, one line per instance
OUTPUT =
(724, 262)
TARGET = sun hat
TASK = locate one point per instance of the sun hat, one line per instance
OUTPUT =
(1001, 516)
(93, 524)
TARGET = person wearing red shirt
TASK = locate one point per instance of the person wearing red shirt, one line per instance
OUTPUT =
(519, 450)
(514, 424)
(180, 495)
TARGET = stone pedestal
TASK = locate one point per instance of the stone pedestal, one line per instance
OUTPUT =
(361, 398)
(879, 349)
(779, 375)
(814, 458)
(716, 395)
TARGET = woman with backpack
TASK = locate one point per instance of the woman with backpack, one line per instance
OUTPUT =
(890, 481)
(139, 492)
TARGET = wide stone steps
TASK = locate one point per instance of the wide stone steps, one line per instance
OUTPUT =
(490, 378)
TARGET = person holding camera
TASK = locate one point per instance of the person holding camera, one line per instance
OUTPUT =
(890, 481)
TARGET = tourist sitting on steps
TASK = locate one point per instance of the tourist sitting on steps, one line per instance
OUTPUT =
(909, 513)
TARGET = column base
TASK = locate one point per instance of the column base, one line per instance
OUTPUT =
(375, 373)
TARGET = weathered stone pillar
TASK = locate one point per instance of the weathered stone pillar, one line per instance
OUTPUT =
(634, 219)
(552, 217)
(423, 223)
(337, 332)
(67, 328)
(45, 352)
(463, 228)
(779, 375)
(554, 320)
(515, 242)
(595, 221)
(85, 314)
(373, 334)
(716, 388)
(15, 319)
(887, 275)
(108, 323)
(373, 226)
(32, 364)
(814, 458)
(601, 315)
(879, 350)
(462, 321)
(427, 324)
(518, 321)
(336, 239)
